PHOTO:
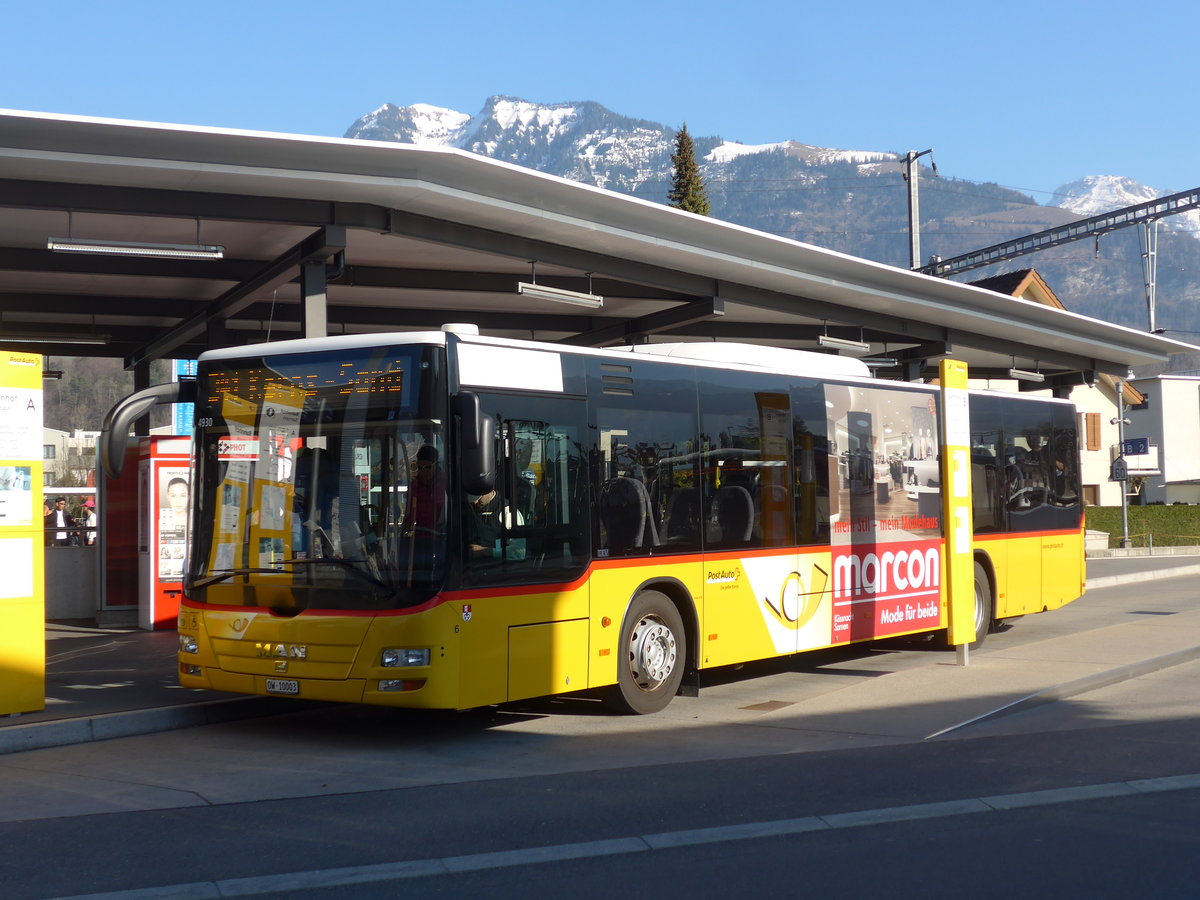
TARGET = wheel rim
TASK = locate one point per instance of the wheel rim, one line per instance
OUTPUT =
(652, 653)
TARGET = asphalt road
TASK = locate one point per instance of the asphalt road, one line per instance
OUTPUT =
(817, 777)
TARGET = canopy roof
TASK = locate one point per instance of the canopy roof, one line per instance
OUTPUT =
(404, 238)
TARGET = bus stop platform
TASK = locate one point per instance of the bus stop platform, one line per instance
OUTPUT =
(104, 683)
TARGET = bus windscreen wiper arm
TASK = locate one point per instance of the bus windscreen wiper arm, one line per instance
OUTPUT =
(229, 573)
(347, 564)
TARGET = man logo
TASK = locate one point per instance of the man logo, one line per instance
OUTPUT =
(281, 651)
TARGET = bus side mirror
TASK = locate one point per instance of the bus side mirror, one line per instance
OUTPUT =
(477, 444)
(114, 433)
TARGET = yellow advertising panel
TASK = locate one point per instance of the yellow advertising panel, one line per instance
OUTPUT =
(22, 590)
(956, 501)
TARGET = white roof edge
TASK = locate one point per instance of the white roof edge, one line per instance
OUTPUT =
(332, 342)
(780, 359)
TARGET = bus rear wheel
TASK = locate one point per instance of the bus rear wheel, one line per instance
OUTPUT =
(651, 656)
(983, 606)
(982, 611)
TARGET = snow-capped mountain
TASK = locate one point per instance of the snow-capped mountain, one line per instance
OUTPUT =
(416, 124)
(854, 201)
(582, 141)
(1096, 194)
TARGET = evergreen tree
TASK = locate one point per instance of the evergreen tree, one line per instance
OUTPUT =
(687, 187)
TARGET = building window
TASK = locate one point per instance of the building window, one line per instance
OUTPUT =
(1091, 428)
(47, 451)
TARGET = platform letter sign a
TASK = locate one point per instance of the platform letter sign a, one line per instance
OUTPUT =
(956, 499)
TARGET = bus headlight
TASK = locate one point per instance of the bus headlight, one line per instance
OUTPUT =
(411, 656)
(187, 644)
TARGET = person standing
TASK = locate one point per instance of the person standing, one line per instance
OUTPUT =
(424, 521)
(90, 519)
(426, 507)
(58, 520)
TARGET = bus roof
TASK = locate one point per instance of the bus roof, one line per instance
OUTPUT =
(718, 353)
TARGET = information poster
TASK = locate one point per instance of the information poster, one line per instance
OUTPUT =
(174, 492)
(22, 592)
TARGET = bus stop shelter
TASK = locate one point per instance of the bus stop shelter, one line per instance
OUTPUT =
(311, 236)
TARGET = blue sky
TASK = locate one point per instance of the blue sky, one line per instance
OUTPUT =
(1027, 94)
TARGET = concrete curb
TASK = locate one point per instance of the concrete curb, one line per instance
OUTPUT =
(1133, 577)
(85, 729)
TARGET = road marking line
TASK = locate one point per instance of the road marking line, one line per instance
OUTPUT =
(424, 868)
(1079, 686)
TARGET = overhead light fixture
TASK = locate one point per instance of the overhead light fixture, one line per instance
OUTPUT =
(152, 249)
(838, 343)
(136, 248)
(879, 362)
(30, 338)
(1025, 375)
(559, 295)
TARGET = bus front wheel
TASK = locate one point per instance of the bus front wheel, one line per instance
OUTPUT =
(651, 656)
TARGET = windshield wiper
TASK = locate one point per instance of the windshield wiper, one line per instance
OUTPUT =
(229, 573)
(348, 564)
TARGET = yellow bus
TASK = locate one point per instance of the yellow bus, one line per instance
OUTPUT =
(440, 519)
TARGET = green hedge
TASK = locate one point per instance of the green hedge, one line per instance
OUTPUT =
(1171, 526)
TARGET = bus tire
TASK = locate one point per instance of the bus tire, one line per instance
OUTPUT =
(651, 656)
(983, 605)
(983, 610)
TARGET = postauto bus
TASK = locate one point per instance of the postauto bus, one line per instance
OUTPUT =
(440, 519)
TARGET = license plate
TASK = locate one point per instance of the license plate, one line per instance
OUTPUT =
(283, 686)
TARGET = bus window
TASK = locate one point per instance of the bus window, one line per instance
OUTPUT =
(534, 528)
(745, 427)
(1027, 460)
(987, 463)
(1036, 469)
(1064, 459)
(810, 471)
(303, 475)
(647, 498)
(884, 462)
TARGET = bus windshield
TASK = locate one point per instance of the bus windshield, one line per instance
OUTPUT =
(320, 480)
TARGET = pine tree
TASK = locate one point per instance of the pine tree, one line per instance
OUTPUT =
(687, 187)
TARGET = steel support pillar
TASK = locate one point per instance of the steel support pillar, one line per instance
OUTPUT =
(314, 309)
